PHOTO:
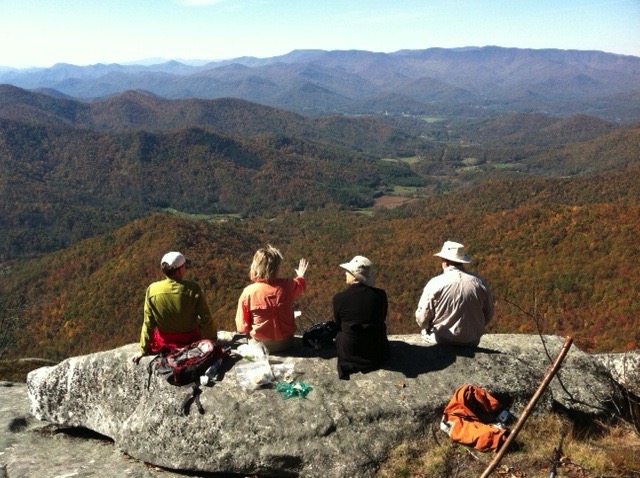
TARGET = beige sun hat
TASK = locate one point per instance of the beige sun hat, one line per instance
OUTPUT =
(361, 268)
(454, 252)
(173, 260)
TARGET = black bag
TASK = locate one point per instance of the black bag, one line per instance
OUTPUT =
(185, 366)
(320, 334)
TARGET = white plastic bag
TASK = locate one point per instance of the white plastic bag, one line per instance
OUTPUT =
(254, 374)
(283, 371)
(254, 351)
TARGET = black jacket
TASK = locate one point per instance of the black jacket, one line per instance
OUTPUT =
(362, 344)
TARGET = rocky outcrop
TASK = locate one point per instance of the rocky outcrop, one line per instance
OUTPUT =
(341, 428)
(30, 448)
(624, 369)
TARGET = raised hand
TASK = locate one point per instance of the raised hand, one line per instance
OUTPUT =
(302, 267)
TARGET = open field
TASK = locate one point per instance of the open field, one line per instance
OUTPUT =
(389, 202)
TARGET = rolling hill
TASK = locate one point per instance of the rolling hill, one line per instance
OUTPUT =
(60, 184)
(141, 111)
(559, 255)
(70, 170)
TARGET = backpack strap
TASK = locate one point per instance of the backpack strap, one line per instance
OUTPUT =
(152, 364)
(194, 397)
(163, 352)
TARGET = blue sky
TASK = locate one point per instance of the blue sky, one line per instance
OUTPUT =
(83, 32)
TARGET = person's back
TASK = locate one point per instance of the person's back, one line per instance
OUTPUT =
(265, 308)
(174, 304)
(460, 305)
(360, 312)
(456, 305)
(361, 308)
(270, 307)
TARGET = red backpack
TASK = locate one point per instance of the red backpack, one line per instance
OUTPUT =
(185, 366)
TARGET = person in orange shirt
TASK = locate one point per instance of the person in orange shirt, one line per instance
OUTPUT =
(265, 308)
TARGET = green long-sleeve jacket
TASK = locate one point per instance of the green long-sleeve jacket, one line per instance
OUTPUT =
(175, 306)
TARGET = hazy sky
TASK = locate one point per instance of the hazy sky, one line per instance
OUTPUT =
(83, 32)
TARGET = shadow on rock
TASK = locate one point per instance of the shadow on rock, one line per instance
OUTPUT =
(301, 351)
(413, 360)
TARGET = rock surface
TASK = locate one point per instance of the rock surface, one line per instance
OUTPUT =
(30, 448)
(624, 369)
(341, 428)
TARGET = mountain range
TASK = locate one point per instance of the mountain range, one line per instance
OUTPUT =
(432, 82)
(72, 169)
(93, 189)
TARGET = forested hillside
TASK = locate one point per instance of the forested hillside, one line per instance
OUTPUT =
(559, 255)
(389, 135)
(141, 111)
(70, 170)
(92, 194)
(59, 185)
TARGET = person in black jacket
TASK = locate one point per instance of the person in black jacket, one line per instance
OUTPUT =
(360, 311)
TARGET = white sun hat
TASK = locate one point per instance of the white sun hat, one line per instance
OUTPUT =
(360, 268)
(454, 252)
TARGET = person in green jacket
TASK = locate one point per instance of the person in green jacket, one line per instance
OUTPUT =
(176, 312)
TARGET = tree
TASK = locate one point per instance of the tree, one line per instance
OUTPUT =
(12, 321)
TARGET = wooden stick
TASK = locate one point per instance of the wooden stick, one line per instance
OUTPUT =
(553, 369)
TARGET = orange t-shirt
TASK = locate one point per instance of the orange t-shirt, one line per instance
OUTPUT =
(265, 309)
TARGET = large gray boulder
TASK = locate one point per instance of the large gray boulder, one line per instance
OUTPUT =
(341, 428)
(30, 448)
(624, 368)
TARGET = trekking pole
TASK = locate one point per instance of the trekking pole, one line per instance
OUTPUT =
(553, 369)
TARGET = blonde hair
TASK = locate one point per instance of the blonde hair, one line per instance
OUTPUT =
(266, 262)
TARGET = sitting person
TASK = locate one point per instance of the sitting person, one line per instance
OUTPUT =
(360, 311)
(265, 308)
(456, 305)
(176, 312)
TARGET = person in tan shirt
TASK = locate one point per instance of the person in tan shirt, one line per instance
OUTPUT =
(456, 305)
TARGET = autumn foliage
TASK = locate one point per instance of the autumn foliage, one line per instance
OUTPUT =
(548, 208)
(559, 267)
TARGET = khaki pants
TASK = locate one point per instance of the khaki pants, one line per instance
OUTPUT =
(275, 345)
(437, 339)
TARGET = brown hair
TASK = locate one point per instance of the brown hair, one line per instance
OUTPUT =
(169, 272)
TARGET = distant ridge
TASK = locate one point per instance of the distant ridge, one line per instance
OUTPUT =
(477, 81)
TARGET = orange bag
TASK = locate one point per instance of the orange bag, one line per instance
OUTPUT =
(470, 416)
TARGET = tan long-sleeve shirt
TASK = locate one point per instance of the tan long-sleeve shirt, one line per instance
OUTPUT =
(456, 306)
